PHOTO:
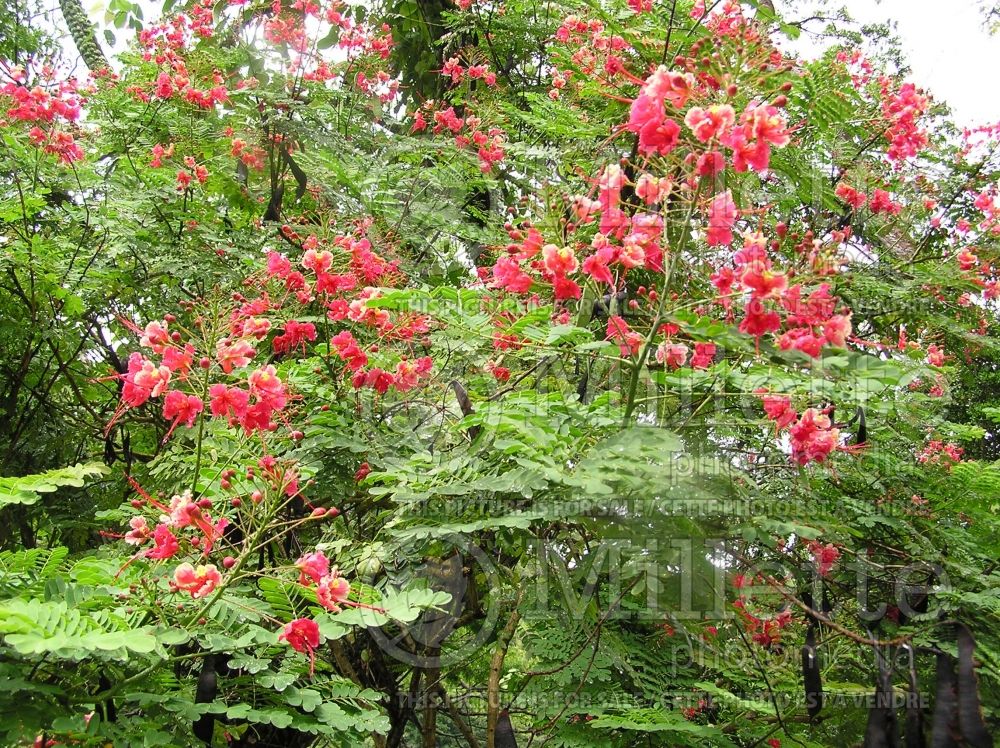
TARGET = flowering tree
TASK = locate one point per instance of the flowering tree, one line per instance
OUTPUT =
(597, 374)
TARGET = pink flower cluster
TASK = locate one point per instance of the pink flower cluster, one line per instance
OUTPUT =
(760, 126)
(812, 435)
(332, 590)
(902, 108)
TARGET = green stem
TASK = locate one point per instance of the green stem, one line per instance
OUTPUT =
(651, 337)
(203, 416)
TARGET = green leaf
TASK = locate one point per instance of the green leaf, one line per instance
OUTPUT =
(26, 489)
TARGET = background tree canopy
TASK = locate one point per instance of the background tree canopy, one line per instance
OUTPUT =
(474, 374)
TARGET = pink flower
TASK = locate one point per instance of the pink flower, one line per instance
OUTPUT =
(935, 355)
(672, 355)
(660, 136)
(408, 372)
(233, 355)
(155, 336)
(664, 85)
(722, 214)
(139, 533)
(295, 335)
(709, 123)
(176, 359)
(651, 189)
(709, 164)
(347, 348)
(966, 259)
(765, 123)
(837, 329)
(755, 154)
(267, 387)
(230, 402)
(143, 380)
(318, 262)
(278, 266)
(801, 339)
(596, 265)
(312, 567)
(657, 132)
(182, 408)
(332, 590)
(882, 203)
(813, 437)
(559, 261)
(198, 581)
(507, 273)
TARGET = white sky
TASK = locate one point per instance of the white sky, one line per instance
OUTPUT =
(947, 47)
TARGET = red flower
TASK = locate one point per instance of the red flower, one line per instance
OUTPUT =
(758, 321)
(851, 196)
(165, 543)
(629, 341)
(295, 336)
(778, 408)
(824, 556)
(704, 355)
(509, 275)
(302, 635)
(801, 339)
(882, 203)
(231, 402)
